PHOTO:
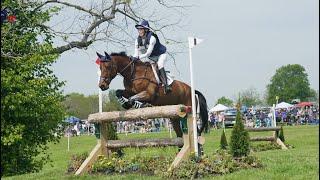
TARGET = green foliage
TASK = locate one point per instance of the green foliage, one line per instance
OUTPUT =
(112, 104)
(250, 97)
(223, 141)
(81, 106)
(219, 163)
(264, 146)
(281, 135)
(289, 82)
(31, 99)
(76, 161)
(225, 101)
(239, 143)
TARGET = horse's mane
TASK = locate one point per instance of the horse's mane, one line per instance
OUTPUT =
(124, 54)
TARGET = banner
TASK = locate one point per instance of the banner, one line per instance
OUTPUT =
(193, 41)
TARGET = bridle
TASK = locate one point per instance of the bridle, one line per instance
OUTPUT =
(108, 80)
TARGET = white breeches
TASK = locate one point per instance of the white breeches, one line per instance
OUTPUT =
(161, 60)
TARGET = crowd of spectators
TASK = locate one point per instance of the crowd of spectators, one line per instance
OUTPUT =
(262, 117)
(84, 127)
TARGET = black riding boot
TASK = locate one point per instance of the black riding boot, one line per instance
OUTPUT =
(164, 80)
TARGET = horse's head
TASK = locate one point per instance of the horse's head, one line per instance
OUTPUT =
(108, 70)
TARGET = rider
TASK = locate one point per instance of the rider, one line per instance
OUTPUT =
(147, 45)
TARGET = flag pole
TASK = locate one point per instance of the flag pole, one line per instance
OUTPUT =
(194, 115)
(100, 92)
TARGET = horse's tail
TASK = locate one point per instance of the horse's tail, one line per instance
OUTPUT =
(203, 112)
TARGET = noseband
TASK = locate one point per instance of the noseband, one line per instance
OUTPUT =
(108, 80)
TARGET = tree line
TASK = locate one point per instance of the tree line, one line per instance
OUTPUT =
(288, 83)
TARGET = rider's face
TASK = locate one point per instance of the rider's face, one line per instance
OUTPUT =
(141, 32)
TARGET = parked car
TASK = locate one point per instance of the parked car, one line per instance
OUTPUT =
(230, 116)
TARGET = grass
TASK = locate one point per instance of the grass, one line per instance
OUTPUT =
(301, 162)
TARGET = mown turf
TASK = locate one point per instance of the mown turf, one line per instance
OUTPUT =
(301, 162)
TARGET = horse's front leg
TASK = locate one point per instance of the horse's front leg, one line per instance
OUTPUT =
(140, 100)
(123, 98)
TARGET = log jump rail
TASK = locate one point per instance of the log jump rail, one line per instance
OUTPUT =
(275, 138)
(172, 111)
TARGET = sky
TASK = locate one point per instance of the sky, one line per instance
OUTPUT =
(245, 42)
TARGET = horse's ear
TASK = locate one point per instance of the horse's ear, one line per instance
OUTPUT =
(107, 55)
(99, 55)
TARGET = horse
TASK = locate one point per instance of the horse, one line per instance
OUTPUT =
(142, 88)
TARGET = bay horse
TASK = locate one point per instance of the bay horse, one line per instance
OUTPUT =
(141, 87)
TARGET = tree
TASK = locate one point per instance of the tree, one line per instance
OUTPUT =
(80, 105)
(223, 140)
(225, 101)
(111, 21)
(31, 107)
(112, 103)
(250, 97)
(31, 100)
(289, 82)
(239, 143)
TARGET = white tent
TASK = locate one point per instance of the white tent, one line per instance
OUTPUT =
(283, 105)
(218, 107)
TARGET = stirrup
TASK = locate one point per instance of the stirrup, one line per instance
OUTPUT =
(167, 89)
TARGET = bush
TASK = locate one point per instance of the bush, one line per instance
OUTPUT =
(76, 161)
(239, 144)
(223, 140)
(265, 146)
(219, 163)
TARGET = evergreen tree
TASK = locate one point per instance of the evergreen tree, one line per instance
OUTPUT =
(223, 140)
(239, 144)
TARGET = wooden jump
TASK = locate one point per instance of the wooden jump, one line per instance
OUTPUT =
(275, 138)
(172, 111)
(138, 143)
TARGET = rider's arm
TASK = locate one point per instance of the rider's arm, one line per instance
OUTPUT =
(150, 48)
(136, 50)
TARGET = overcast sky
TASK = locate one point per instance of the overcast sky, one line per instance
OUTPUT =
(244, 43)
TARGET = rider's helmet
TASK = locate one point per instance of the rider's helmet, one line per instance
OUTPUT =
(143, 24)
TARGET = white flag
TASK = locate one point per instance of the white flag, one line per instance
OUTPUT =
(193, 41)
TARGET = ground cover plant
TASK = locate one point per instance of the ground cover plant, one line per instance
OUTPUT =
(300, 162)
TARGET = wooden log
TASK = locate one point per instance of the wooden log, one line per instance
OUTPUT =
(265, 138)
(144, 143)
(93, 156)
(283, 146)
(171, 111)
(263, 129)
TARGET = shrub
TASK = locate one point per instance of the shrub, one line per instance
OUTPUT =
(216, 164)
(239, 144)
(223, 140)
(76, 161)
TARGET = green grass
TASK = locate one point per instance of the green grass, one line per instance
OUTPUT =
(301, 162)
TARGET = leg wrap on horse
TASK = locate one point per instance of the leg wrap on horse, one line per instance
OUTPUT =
(122, 100)
(137, 104)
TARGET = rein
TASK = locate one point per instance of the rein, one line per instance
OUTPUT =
(131, 64)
